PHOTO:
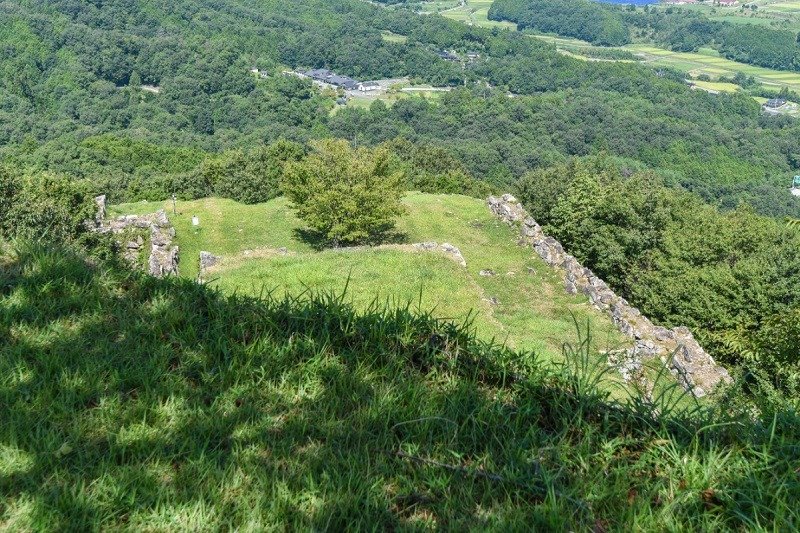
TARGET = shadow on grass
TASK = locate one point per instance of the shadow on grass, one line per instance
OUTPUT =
(130, 402)
(318, 241)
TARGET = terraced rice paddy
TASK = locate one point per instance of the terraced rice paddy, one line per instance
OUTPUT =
(708, 61)
(704, 61)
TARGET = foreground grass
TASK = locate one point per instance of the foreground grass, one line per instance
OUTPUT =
(531, 311)
(130, 403)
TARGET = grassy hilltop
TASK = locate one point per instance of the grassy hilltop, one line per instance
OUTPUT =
(131, 403)
(533, 313)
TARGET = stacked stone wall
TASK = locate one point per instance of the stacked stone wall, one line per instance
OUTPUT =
(694, 368)
(162, 259)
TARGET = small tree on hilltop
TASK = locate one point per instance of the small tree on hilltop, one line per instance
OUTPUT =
(347, 195)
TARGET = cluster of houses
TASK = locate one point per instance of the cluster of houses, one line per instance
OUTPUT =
(323, 75)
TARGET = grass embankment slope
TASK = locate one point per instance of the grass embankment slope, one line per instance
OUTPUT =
(531, 312)
(131, 403)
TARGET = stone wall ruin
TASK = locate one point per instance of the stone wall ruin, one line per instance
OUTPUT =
(163, 258)
(677, 348)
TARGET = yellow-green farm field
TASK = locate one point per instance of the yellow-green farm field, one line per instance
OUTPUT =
(388, 98)
(721, 87)
(475, 12)
(391, 37)
(705, 61)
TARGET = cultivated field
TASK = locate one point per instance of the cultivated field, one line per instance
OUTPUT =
(704, 61)
(771, 13)
(391, 37)
(475, 12)
(708, 61)
(717, 86)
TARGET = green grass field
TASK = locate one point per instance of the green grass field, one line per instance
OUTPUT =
(391, 37)
(136, 404)
(476, 12)
(704, 61)
(534, 312)
(717, 86)
(389, 98)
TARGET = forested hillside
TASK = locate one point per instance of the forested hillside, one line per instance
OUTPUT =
(134, 403)
(142, 100)
(72, 99)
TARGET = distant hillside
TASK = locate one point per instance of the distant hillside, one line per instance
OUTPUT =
(77, 95)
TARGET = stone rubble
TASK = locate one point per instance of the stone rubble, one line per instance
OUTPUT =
(446, 248)
(208, 260)
(163, 258)
(694, 368)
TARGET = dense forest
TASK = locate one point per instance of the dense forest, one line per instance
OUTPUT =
(731, 277)
(72, 98)
(142, 99)
(677, 29)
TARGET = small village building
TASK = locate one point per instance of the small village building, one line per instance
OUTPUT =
(775, 103)
(344, 82)
(447, 56)
(368, 86)
(320, 74)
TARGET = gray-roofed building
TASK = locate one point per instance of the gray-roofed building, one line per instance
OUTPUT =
(320, 74)
(366, 86)
(343, 81)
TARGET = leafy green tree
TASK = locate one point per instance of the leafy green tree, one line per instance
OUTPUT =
(45, 207)
(347, 195)
(135, 81)
(9, 184)
(204, 121)
(255, 177)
